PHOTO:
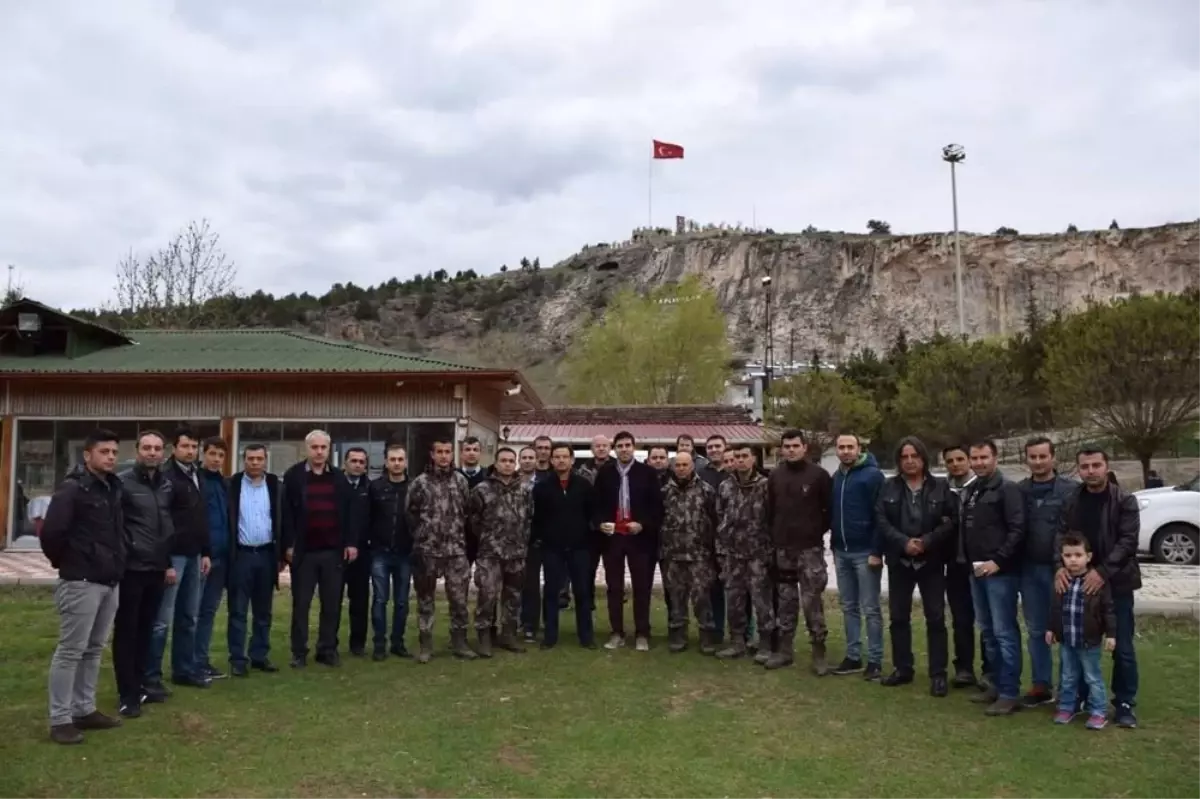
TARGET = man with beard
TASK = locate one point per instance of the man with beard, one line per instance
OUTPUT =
(437, 503)
(798, 512)
(688, 529)
(958, 582)
(527, 465)
(1108, 517)
(743, 546)
(501, 510)
(916, 516)
(993, 532)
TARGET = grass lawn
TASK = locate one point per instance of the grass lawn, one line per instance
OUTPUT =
(578, 723)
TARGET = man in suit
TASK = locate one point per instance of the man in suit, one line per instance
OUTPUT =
(629, 510)
(358, 572)
(216, 499)
(255, 560)
(320, 536)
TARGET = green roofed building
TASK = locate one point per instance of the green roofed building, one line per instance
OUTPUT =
(64, 376)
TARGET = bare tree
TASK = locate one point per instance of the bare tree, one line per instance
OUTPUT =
(177, 286)
(16, 288)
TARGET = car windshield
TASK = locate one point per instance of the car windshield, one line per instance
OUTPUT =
(1190, 485)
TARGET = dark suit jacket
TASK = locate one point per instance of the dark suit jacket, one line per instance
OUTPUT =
(274, 493)
(645, 499)
(295, 513)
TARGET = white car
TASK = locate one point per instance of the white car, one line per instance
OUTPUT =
(1171, 523)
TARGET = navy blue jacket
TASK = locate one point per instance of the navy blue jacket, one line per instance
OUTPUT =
(216, 496)
(852, 515)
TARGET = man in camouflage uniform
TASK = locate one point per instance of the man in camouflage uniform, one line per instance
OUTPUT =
(743, 551)
(688, 529)
(500, 512)
(437, 504)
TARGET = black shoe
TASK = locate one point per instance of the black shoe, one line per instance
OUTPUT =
(299, 661)
(153, 696)
(190, 681)
(401, 652)
(331, 659)
(213, 673)
(358, 651)
(95, 721)
(1036, 698)
(545, 645)
(848, 666)
(239, 670)
(873, 672)
(156, 687)
(379, 655)
(530, 637)
(66, 734)
(131, 709)
(897, 678)
(589, 645)
(1124, 716)
(938, 687)
(964, 678)
(265, 666)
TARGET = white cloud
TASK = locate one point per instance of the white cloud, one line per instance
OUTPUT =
(336, 141)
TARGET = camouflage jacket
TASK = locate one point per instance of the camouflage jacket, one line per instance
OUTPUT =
(742, 508)
(437, 504)
(588, 471)
(689, 520)
(499, 515)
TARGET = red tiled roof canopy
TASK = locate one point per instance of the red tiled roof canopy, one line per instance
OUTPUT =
(649, 424)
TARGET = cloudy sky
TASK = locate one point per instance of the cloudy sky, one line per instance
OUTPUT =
(359, 140)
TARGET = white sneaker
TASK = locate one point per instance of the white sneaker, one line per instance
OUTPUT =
(642, 645)
(615, 641)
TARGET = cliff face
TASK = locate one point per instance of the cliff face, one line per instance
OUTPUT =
(834, 292)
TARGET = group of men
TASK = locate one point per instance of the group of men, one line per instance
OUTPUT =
(155, 548)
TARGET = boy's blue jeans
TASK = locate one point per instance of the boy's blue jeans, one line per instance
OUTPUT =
(1082, 665)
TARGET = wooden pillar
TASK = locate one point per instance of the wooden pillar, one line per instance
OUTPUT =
(8, 430)
(227, 429)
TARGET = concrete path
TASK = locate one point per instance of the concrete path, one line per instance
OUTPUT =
(1167, 590)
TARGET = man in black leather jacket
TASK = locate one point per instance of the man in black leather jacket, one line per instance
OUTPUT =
(146, 505)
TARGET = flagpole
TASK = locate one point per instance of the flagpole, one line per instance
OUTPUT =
(650, 190)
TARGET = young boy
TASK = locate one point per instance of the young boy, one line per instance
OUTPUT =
(1082, 623)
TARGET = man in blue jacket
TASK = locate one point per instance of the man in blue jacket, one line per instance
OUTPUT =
(856, 554)
(216, 497)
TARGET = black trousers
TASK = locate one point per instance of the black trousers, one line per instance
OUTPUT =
(358, 591)
(574, 565)
(930, 580)
(962, 610)
(531, 595)
(140, 596)
(317, 572)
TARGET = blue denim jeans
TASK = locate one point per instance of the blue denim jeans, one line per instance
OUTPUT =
(251, 587)
(1125, 670)
(178, 611)
(858, 588)
(391, 576)
(210, 603)
(1081, 664)
(1037, 587)
(995, 600)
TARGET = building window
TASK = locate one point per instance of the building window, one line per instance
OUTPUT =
(48, 449)
(285, 441)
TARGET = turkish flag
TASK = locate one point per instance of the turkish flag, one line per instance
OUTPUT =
(664, 149)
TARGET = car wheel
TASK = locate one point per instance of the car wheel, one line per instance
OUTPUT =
(1177, 544)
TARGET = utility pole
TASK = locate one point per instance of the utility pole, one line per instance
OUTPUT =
(792, 347)
(956, 154)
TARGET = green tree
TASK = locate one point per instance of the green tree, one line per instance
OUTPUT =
(824, 404)
(1130, 368)
(955, 391)
(1006, 231)
(878, 227)
(664, 347)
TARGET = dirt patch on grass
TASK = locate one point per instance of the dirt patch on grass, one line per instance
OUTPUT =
(686, 693)
(194, 726)
(512, 758)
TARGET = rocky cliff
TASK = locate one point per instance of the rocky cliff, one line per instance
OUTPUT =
(834, 292)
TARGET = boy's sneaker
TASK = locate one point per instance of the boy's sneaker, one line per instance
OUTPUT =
(1124, 716)
(1097, 721)
(1063, 717)
(848, 666)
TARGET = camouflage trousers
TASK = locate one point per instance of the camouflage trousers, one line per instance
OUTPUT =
(498, 579)
(689, 582)
(457, 573)
(748, 580)
(801, 577)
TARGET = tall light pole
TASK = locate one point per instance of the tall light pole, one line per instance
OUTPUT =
(955, 154)
(768, 348)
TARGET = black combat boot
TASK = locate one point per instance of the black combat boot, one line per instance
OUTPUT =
(677, 640)
(820, 665)
(484, 647)
(735, 650)
(508, 639)
(785, 654)
(426, 652)
(458, 646)
(708, 642)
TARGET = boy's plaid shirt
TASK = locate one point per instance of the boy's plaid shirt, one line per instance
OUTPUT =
(1073, 614)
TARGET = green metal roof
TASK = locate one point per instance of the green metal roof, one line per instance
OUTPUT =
(255, 350)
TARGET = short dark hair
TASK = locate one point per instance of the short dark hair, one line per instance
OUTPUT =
(659, 446)
(547, 439)
(1091, 449)
(503, 450)
(150, 432)
(352, 450)
(441, 440)
(716, 437)
(214, 442)
(470, 440)
(959, 447)
(1075, 540)
(984, 443)
(857, 440)
(99, 436)
(684, 437)
(526, 449)
(1038, 441)
(625, 435)
(395, 445)
(182, 432)
(556, 447)
(254, 447)
(792, 433)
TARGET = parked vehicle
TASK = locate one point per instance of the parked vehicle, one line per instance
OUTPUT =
(1171, 523)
